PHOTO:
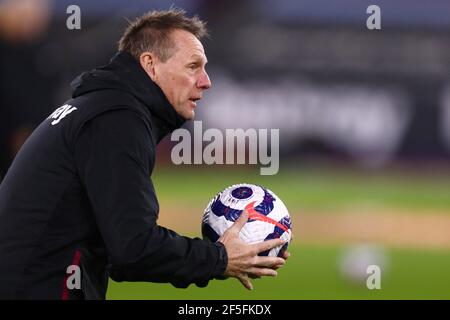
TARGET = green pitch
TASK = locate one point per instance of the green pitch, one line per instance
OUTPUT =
(312, 273)
(310, 187)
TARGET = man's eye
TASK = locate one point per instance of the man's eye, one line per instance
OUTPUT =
(192, 66)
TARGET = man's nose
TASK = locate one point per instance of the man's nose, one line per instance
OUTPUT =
(203, 81)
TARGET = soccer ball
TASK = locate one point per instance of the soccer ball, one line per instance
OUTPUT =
(268, 216)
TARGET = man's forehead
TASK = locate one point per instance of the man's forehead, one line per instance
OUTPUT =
(187, 40)
(198, 56)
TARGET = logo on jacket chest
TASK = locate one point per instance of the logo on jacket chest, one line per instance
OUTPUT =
(61, 113)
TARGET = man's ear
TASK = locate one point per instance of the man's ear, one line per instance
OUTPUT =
(147, 61)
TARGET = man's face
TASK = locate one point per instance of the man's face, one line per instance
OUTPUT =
(183, 77)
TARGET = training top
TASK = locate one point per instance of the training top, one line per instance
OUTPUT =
(78, 199)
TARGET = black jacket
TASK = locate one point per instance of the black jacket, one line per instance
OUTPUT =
(79, 193)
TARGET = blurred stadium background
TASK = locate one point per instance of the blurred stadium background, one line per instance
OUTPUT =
(364, 119)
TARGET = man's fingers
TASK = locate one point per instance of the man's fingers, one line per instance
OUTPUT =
(261, 272)
(245, 280)
(269, 244)
(269, 262)
(286, 255)
(241, 221)
(276, 267)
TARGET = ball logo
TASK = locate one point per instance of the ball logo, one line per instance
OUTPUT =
(242, 193)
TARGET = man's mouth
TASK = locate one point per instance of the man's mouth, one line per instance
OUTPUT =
(194, 101)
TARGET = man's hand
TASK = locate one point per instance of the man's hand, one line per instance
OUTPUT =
(286, 255)
(243, 260)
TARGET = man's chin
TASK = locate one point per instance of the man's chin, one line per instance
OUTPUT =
(189, 115)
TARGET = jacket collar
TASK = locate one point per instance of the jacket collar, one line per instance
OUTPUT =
(124, 73)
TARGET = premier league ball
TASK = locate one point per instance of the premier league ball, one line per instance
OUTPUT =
(268, 216)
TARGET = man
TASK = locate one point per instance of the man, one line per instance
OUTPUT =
(79, 194)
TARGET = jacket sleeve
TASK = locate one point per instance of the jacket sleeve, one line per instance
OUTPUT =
(114, 155)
